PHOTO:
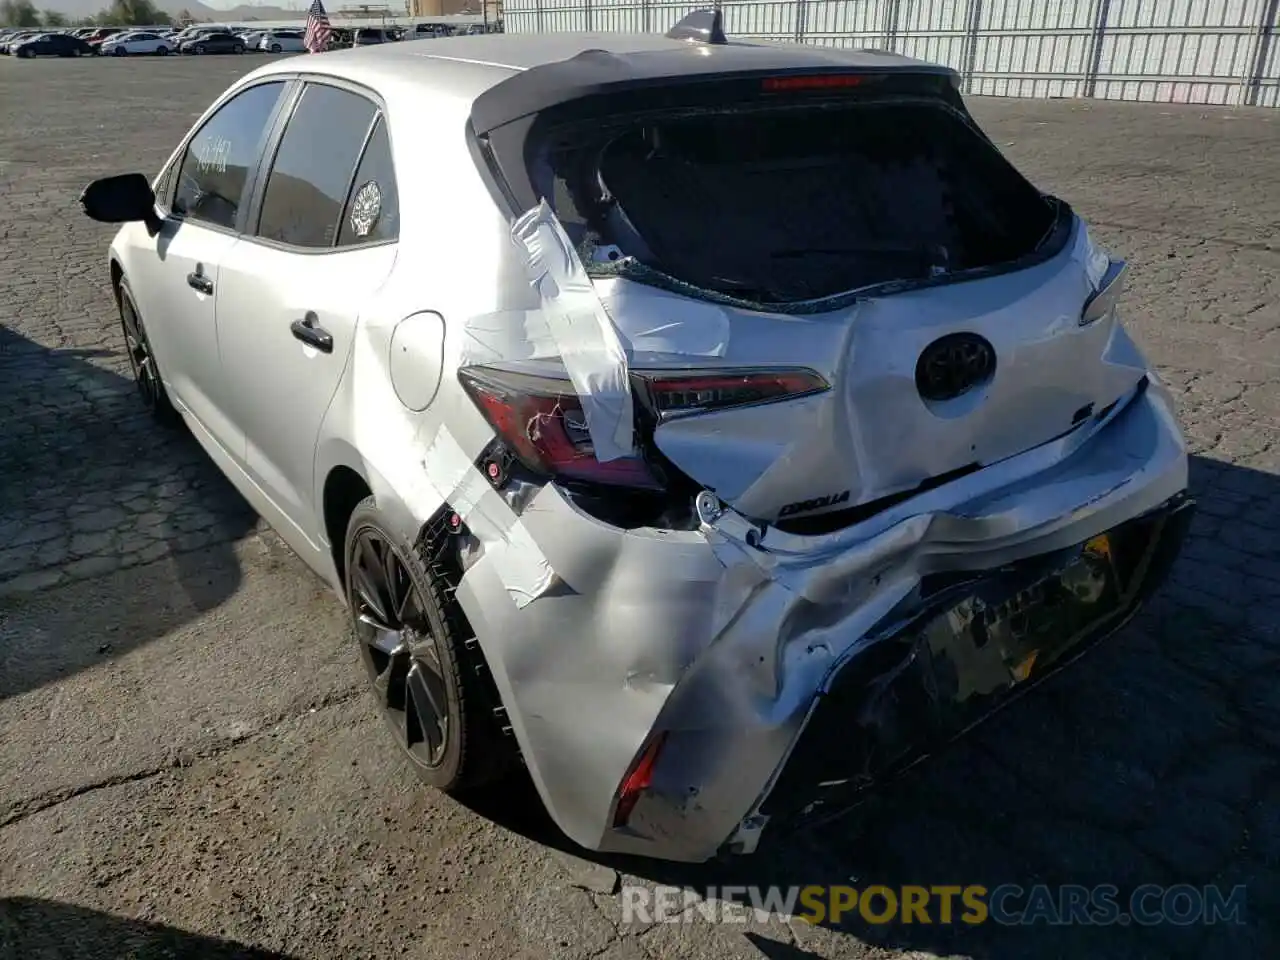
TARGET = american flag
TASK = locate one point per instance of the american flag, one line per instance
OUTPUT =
(317, 35)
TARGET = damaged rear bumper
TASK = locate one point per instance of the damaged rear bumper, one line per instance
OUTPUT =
(969, 649)
(788, 674)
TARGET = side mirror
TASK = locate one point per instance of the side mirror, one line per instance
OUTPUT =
(127, 198)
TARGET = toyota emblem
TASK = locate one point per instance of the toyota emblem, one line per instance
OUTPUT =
(953, 365)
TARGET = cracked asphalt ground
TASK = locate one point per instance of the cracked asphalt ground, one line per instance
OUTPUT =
(189, 766)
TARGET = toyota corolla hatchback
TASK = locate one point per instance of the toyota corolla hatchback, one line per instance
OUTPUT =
(714, 429)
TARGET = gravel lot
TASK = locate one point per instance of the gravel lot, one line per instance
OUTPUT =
(189, 767)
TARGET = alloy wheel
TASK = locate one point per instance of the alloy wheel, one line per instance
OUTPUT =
(398, 649)
(141, 362)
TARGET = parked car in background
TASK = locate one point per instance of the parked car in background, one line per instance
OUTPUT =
(283, 41)
(198, 30)
(18, 36)
(251, 38)
(796, 438)
(368, 37)
(101, 35)
(141, 42)
(52, 45)
(214, 43)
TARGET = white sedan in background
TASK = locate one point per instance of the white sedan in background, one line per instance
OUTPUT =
(134, 44)
(283, 41)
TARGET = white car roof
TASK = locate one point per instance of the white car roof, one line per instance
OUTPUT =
(462, 68)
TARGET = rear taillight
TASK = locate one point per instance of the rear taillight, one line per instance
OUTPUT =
(542, 421)
(638, 780)
(700, 392)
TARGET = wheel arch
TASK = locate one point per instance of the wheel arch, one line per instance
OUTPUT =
(117, 277)
(343, 490)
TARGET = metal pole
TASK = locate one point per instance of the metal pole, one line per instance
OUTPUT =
(891, 25)
(1262, 52)
(969, 55)
(1102, 15)
(802, 13)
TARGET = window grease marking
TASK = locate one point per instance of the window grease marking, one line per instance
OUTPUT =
(212, 155)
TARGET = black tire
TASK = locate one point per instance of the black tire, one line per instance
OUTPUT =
(119, 51)
(25, 54)
(276, 48)
(142, 362)
(474, 750)
(162, 51)
(199, 48)
(238, 48)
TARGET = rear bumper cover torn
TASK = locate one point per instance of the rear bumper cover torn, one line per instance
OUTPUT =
(748, 647)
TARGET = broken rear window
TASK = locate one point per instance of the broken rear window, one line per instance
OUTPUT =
(784, 205)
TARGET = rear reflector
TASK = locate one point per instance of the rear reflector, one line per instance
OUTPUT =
(637, 780)
(824, 81)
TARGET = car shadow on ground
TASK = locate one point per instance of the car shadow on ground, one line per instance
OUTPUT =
(1153, 760)
(33, 929)
(90, 485)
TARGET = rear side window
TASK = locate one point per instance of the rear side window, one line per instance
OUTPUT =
(311, 176)
(373, 208)
(215, 167)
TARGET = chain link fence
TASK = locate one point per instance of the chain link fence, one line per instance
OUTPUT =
(1168, 51)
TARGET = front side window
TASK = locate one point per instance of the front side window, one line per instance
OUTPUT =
(308, 184)
(215, 167)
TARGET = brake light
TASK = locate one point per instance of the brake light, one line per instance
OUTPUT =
(542, 421)
(822, 81)
(637, 780)
(541, 418)
(698, 392)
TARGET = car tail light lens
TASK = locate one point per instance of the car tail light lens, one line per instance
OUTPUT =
(541, 418)
(700, 392)
(637, 780)
(542, 421)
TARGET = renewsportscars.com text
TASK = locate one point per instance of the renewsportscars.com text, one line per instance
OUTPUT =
(1007, 904)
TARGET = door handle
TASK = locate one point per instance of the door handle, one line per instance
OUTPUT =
(198, 281)
(309, 332)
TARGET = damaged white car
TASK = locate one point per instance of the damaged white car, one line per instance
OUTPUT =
(714, 429)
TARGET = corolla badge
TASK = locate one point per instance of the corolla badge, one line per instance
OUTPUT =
(953, 365)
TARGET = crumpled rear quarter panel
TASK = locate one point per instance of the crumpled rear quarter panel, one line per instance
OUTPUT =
(726, 644)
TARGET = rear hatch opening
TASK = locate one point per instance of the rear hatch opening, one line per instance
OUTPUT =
(787, 189)
(831, 208)
(796, 205)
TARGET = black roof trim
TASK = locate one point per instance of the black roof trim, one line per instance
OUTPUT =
(701, 26)
(594, 72)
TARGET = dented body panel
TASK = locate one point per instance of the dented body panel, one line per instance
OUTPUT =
(728, 645)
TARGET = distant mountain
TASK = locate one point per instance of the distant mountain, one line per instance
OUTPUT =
(77, 9)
